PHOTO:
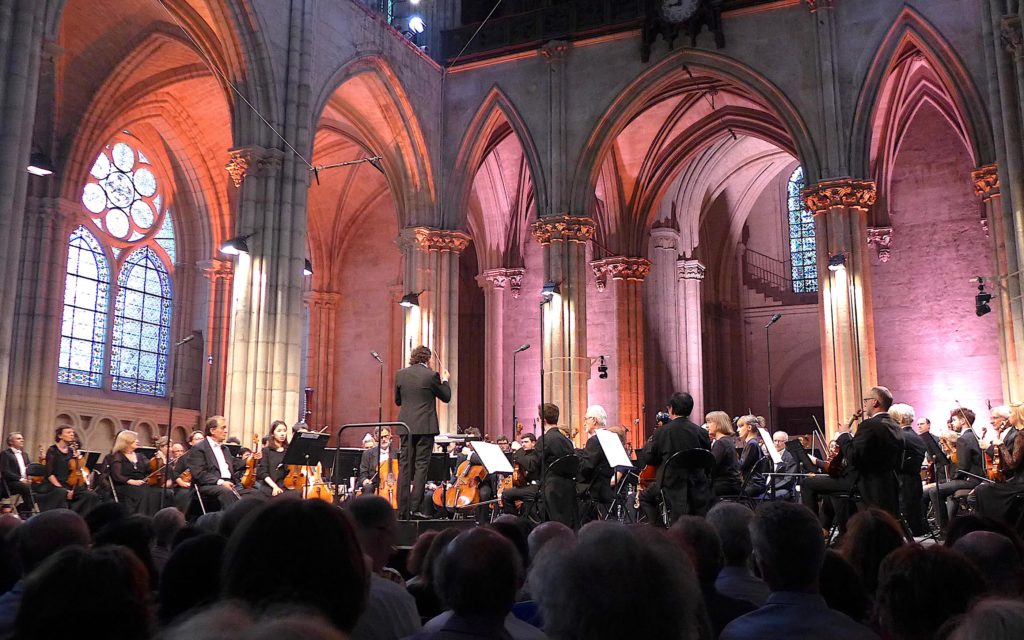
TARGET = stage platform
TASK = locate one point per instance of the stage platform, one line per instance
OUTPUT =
(409, 530)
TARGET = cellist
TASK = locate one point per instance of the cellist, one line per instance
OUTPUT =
(77, 495)
(372, 459)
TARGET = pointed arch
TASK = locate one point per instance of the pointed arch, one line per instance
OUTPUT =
(142, 325)
(85, 315)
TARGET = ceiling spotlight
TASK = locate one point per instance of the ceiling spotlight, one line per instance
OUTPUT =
(410, 300)
(982, 299)
(39, 164)
(602, 370)
(416, 24)
(236, 246)
(837, 262)
(550, 290)
(307, 269)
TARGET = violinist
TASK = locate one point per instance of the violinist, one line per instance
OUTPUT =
(14, 465)
(999, 418)
(270, 471)
(503, 444)
(527, 458)
(911, 490)
(752, 465)
(835, 479)
(214, 469)
(369, 463)
(129, 471)
(181, 482)
(77, 496)
(725, 477)
(1000, 500)
(968, 469)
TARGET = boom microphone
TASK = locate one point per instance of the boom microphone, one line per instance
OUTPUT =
(376, 356)
(522, 347)
(775, 318)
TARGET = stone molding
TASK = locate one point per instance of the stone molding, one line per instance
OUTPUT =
(216, 269)
(986, 181)
(690, 269)
(620, 268)
(665, 238)
(253, 160)
(555, 50)
(840, 193)
(323, 298)
(881, 238)
(429, 239)
(500, 278)
(563, 229)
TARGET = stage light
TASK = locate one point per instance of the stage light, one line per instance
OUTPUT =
(39, 165)
(236, 246)
(416, 24)
(837, 262)
(410, 300)
(981, 300)
(550, 290)
(307, 269)
(602, 370)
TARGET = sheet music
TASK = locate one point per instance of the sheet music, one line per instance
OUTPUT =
(769, 444)
(613, 449)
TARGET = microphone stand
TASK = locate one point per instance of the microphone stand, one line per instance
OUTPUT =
(768, 348)
(170, 417)
(515, 418)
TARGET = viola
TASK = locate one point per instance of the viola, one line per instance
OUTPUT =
(78, 474)
(249, 477)
(835, 463)
(387, 481)
(156, 472)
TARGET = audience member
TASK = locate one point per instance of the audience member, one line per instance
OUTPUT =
(414, 561)
(841, 586)
(732, 522)
(870, 536)
(994, 555)
(103, 514)
(790, 551)
(554, 533)
(134, 533)
(991, 619)
(424, 592)
(231, 621)
(920, 588)
(961, 525)
(192, 577)
(166, 524)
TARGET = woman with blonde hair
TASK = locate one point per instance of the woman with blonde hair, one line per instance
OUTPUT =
(129, 471)
(725, 476)
(1000, 500)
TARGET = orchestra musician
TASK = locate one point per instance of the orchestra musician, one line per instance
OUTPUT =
(64, 449)
(369, 463)
(214, 469)
(999, 500)
(271, 470)
(968, 468)
(911, 489)
(725, 478)
(837, 480)
(999, 418)
(13, 465)
(680, 434)
(874, 453)
(181, 487)
(559, 485)
(595, 474)
(752, 464)
(129, 471)
(527, 458)
(783, 486)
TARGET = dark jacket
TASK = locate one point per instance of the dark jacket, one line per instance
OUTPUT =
(875, 454)
(203, 464)
(417, 390)
(369, 464)
(968, 455)
(913, 452)
(678, 435)
(9, 465)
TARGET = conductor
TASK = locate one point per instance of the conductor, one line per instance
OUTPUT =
(417, 389)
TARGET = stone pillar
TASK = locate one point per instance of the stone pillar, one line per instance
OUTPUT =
(566, 365)
(219, 275)
(321, 361)
(662, 299)
(267, 314)
(37, 314)
(986, 186)
(431, 263)
(495, 282)
(689, 312)
(627, 277)
(21, 42)
(846, 320)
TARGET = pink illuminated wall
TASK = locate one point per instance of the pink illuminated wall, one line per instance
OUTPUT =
(521, 327)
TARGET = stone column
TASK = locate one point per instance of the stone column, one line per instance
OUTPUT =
(267, 314)
(431, 263)
(21, 42)
(986, 186)
(689, 316)
(321, 361)
(37, 319)
(846, 320)
(495, 282)
(219, 274)
(662, 293)
(627, 277)
(566, 365)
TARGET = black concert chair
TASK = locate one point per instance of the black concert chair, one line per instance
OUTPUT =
(682, 474)
(199, 506)
(742, 497)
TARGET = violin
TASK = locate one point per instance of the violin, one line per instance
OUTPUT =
(78, 474)
(249, 477)
(42, 461)
(295, 478)
(835, 463)
(387, 481)
(156, 472)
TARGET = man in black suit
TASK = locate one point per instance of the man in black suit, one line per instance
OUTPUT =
(214, 469)
(528, 459)
(13, 463)
(966, 473)
(875, 452)
(558, 482)
(594, 483)
(690, 494)
(911, 491)
(417, 390)
(369, 463)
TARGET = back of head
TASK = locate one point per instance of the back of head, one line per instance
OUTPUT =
(514, 533)
(419, 355)
(374, 521)
(681, 404)
(788, 545)
(134, 533)
(479, 574)
(326, 572)
(902, 413)
(884, 397)
(191, 576)
(166, 523)
(870, 536)
(113, 596)
(232, 517)
(732, 522)
(418, 553)
(47, 533)
(552, 533)
(919, 589)
(701, 542)
(103, 514)
(437, 547)
(996, 558)
(841, 587)
(992, 619)
(549, 413)
(581, 590)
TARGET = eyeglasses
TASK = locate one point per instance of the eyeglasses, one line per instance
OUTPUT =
(869, 399)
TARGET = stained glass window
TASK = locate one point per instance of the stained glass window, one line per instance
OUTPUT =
(83, 332)
(801, 236)
(142, 325)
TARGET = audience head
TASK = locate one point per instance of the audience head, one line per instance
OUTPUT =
(902, 413)
(134, 533)
(104, 514)
(732, 522)
(961, 525)
(787, 545)
(418, 553)
(680, 405)
(841, 587)
(326, 572)
(437, 546)
(231, 621)
(581, 594)
(550, 534)
(920, 588)
(419, 355)
(374, 520)
(47, 533)
(478, 574)
(700, 541)
(997, 559)
(166, 523)
(515, 530)
(191, 577)
(871, 535)
(991, 619)
(230, 518)
(719, 424)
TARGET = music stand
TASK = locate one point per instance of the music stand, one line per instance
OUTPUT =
(306, 450)
(796, 450)
(939, 458)
(346, 463)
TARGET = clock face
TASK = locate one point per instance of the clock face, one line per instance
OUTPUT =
(676, 11)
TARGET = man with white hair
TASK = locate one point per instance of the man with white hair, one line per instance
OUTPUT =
(999, 418)
(911, 491)
(595, 474)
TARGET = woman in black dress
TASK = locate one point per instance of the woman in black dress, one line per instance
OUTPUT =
(270, 471)
(725, 477)
(129, 471)
(56, 491)
(751, 465)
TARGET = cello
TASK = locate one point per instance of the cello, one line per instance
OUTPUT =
(387, 481)
(465, 491)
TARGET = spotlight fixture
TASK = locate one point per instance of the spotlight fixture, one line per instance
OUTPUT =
(416, 24)
(602, 370)
(837, 262)
(410, 300)
(39, 164)
(307, 269)
(237, 245)
(981, 299)
(550, 290)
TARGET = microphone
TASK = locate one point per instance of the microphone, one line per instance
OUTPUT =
(522, 347)
(376, 356)
(189, 338)
(775, 318)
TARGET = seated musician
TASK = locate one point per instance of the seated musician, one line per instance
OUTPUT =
(129, 471)
(999, 418)
(180, 482)
(213, 468)
(528, 459)
(1000, 500)
(271, 470)
(560, 485)
(753, 463)
(914, 451)
(503, 443)
(595, 475)
(77, 496)
(680, 434)
(371, 459)
(13, 466)
(783, 486)
(966, 472)
(725, 478)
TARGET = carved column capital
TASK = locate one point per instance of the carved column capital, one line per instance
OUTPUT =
(328, 299)
(216, 269)
(502, 278)
(252, 160)
(986, 181)
(1010, 35)
(840, 193)
(665, 238)
(563, 229)
(429, 239)
(690, 269)
(620, 268)
(881, 238)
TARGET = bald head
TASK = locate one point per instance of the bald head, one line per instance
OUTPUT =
(998, 560)
(552, 533)
(47, 533)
